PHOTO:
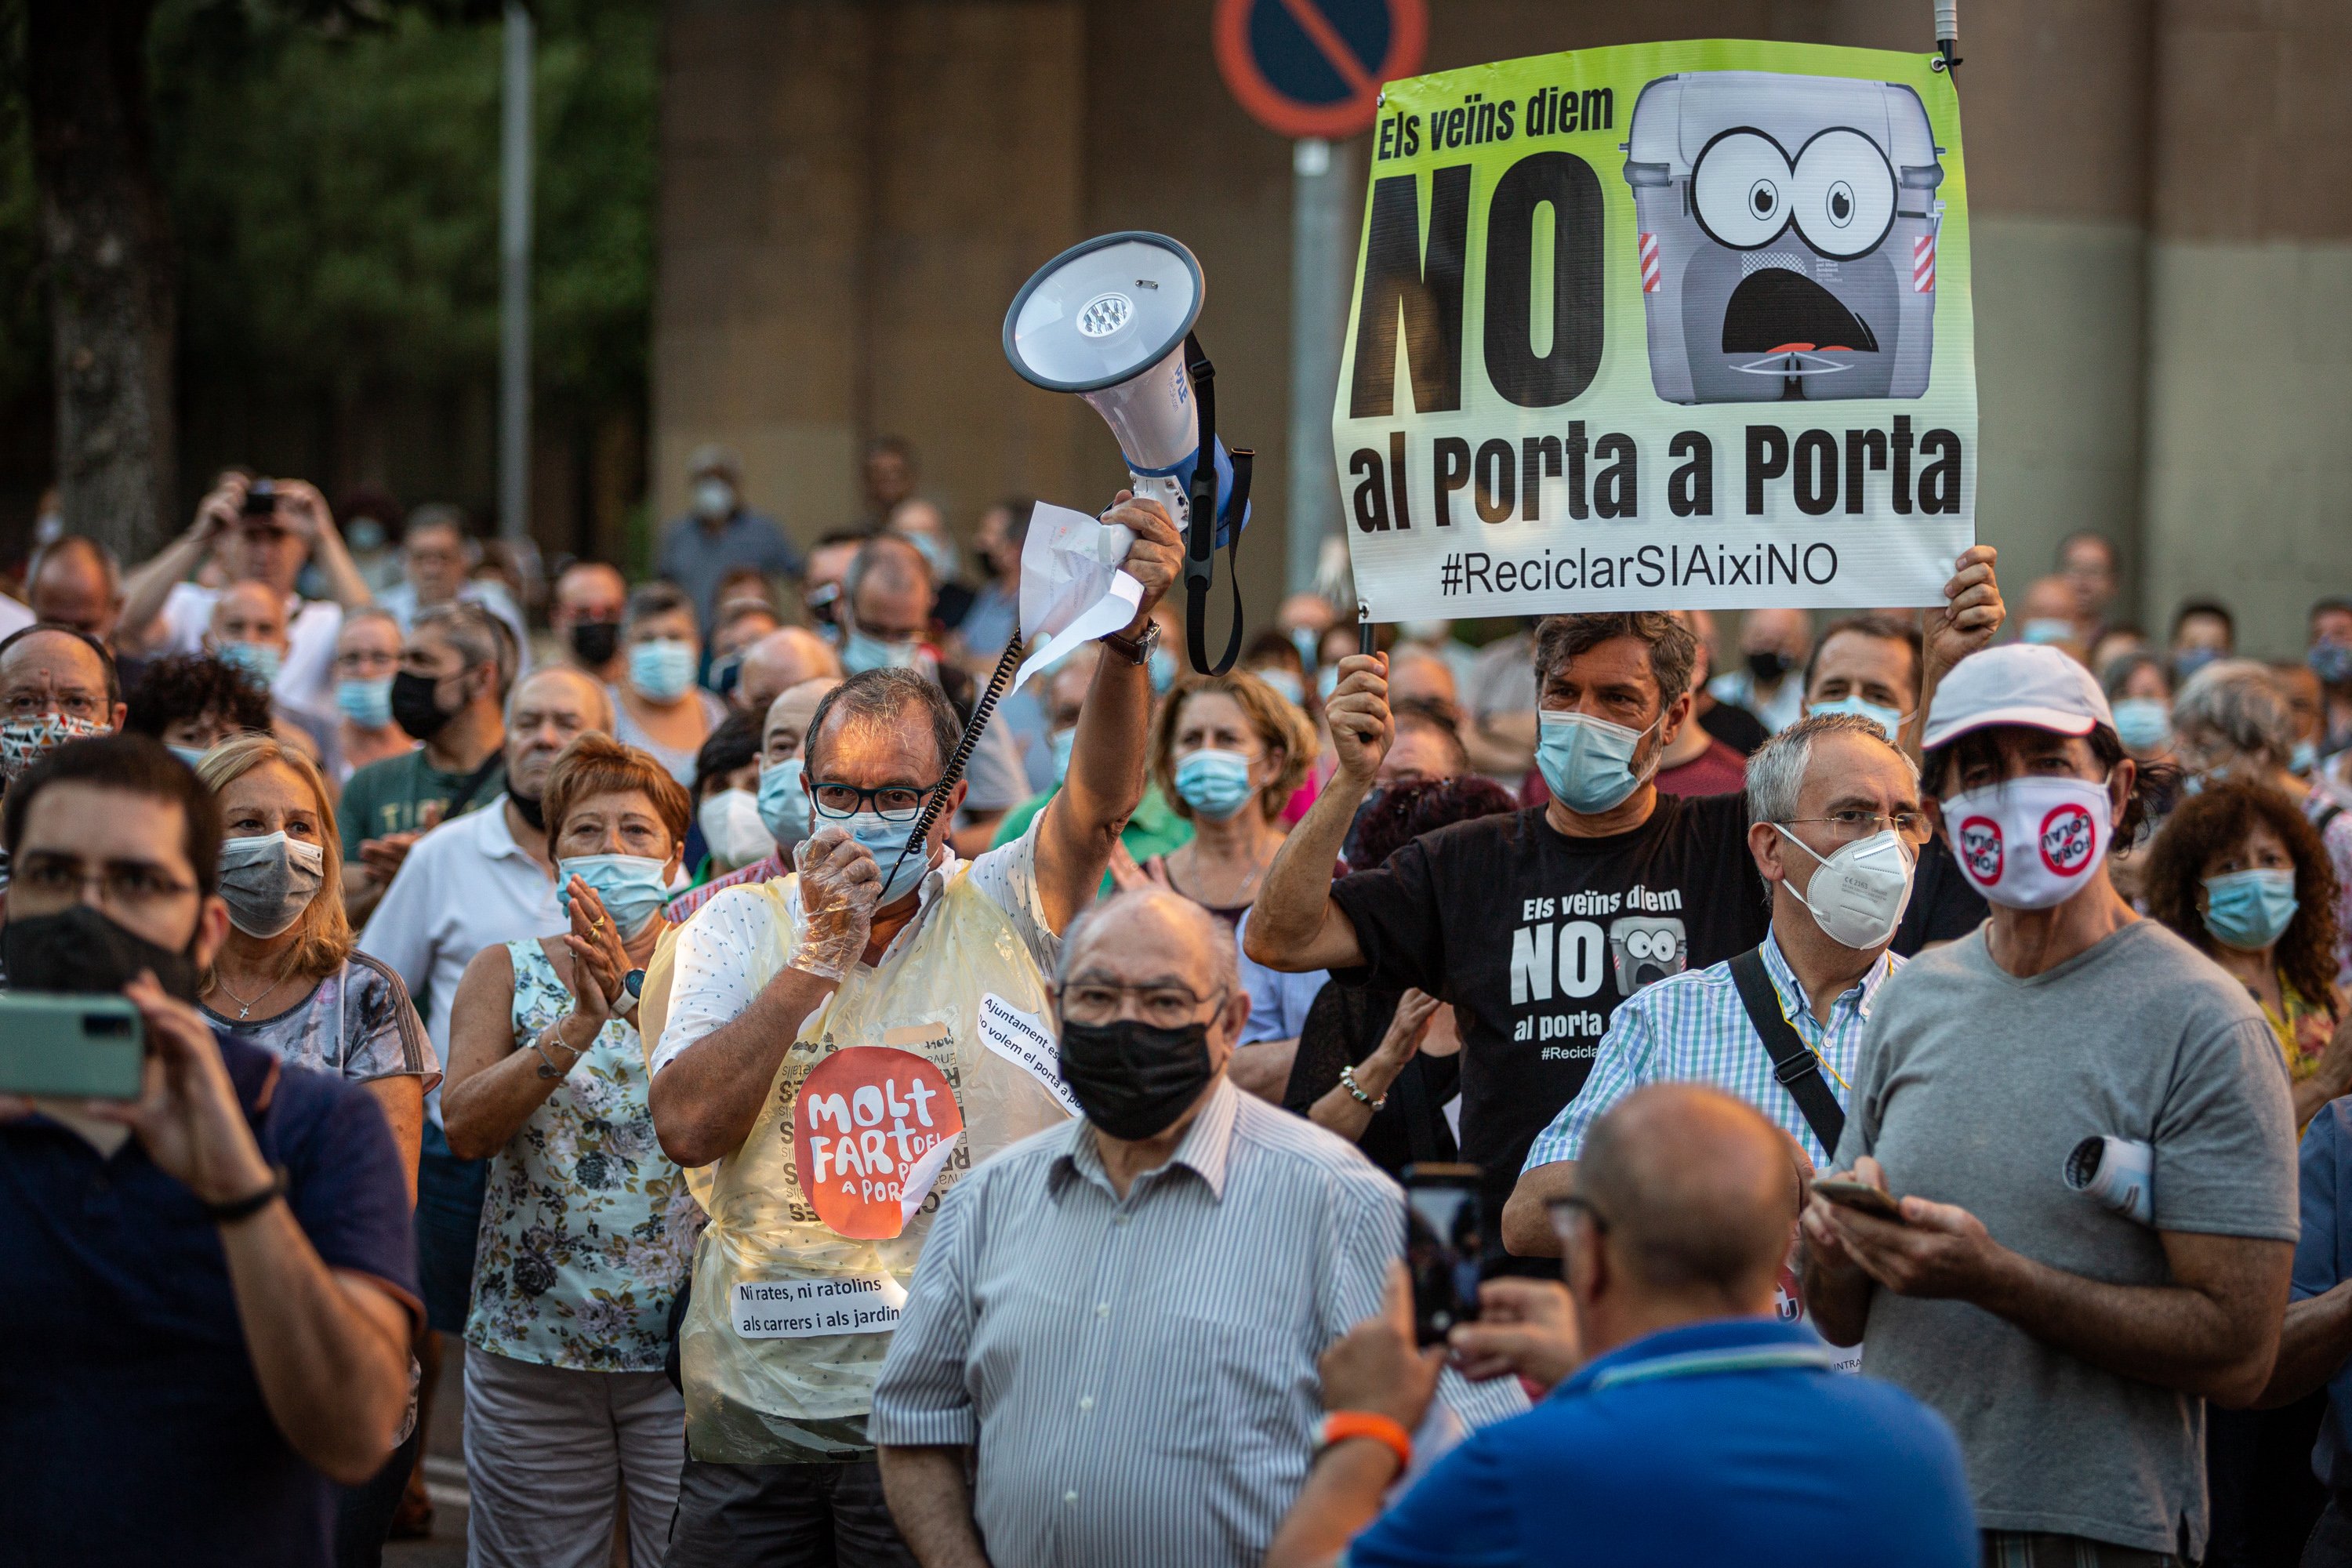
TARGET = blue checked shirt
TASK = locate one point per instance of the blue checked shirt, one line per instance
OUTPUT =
(1691, 1028)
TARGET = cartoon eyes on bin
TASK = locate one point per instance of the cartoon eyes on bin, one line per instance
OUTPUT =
(1643, 944)
(1840, 192)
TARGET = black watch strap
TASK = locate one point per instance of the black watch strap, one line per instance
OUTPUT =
(246, 1207)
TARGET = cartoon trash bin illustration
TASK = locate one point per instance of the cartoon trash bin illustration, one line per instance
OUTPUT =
(1787, 235)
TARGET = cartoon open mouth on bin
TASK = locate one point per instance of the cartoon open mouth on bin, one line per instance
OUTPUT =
(1787, 241)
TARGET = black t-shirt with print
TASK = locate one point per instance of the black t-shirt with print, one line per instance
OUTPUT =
(1535, 937)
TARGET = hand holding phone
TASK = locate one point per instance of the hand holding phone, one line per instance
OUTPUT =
(1872, 1201)
(1443, 1240)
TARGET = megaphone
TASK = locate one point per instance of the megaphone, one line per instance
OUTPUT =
(1111, 320)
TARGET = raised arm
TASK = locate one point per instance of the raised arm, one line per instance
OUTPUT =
(706, 1097)
(1295, 924)
(328, 1347)
(146, 586)
(307, 510)
(1972, 612)
(1105, 784)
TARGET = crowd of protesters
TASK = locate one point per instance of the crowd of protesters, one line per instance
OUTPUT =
(1920, 1037)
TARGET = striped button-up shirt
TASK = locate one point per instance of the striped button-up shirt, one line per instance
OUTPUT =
(1138, 1373)
(1692, 1028)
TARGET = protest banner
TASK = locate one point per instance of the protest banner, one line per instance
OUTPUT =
(1661, 326)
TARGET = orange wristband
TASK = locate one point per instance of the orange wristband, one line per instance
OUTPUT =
(1341, 1425)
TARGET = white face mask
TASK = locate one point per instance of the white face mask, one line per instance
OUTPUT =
(1858, 895)
(2030, 843)
(731, 826)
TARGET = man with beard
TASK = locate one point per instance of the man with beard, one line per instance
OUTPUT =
(217, 1275)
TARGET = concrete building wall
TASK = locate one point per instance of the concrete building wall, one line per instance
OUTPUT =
(2162, 209)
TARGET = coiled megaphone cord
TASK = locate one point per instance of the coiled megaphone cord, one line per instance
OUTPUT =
(1009, 661)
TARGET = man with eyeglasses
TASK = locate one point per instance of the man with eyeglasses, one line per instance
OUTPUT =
(842, 1046)
(1834, 825)
(56, 685)
(211, 1289)
(1122, 1315)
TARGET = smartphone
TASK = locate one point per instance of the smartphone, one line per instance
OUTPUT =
(70, 1047)
(1444, 1237)
(1859, 1195)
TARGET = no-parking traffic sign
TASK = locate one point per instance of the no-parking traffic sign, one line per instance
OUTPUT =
(1314, 68)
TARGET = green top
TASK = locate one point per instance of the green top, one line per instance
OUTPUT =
(1154, 829)
(405, 794)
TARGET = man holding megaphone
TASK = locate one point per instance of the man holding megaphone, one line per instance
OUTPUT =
(887, 988)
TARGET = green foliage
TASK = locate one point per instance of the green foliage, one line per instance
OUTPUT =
(335, 189)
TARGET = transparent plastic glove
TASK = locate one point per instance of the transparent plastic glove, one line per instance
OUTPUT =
(839, 884)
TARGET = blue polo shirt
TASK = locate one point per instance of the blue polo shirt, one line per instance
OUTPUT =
(2322, 1259)
(132, 1429)
(1669, 1451)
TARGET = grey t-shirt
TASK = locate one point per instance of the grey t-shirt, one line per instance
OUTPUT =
(1973, 1087)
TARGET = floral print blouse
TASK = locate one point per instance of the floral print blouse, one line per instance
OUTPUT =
(588, 1229)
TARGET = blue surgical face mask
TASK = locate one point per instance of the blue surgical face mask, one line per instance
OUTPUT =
(860, 653)
(663, 670)
(367, 703)
(783, 803)
(2304, 757)
(888, 841)
(1062, 743)
(631, 888)
(1305, 639)
(2331, 661)
(191, 755)
(941, 553)
(257, 659)
(2250, 909)
(2046, 629)
(1587, 763)
(2142, 724)
(1163, 670)
(1887, 718)
(1215, 784)
(2188, 661)
(1286, 684)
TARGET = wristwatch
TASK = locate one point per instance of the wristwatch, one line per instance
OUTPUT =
(633, 983)
(1137, 649)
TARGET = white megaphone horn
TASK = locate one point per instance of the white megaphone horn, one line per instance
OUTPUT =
(1109, 320)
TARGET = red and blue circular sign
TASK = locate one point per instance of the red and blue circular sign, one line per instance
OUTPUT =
(1314, 68)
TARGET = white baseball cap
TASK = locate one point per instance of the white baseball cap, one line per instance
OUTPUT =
(2031, 684)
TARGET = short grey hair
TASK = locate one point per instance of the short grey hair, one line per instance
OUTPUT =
(1225, 964)
(603, 693)
(2241, 702)
(479, 635)
(894, 559)
(1776, 773)
(884, 698)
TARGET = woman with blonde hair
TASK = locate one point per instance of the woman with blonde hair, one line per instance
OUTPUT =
(1228, 751)
(288, 979)
(588, 1228)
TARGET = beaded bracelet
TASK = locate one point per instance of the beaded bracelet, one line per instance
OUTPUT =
(1347, 1082)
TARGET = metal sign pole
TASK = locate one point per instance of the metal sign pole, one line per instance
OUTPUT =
(1322, 257)
(514, 279)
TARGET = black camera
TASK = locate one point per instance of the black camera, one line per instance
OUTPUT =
(260, 499)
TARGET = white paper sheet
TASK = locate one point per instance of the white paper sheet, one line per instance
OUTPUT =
(1072, 590)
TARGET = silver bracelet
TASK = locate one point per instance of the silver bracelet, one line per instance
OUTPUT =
(547, 1068)
(1347, 1082)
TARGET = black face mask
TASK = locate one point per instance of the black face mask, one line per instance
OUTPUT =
(593, 643)
(1133, 1078)
(531, 811)
(1769, 664)
(413, 707)
(79, 950)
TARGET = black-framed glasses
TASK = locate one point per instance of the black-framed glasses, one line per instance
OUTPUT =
(891, 802)
(1162, 1006)
(1561, 1209)
(1855, 823)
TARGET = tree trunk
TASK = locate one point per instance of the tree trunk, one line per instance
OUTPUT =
(107, 240)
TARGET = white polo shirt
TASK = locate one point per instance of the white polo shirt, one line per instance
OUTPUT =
(465, 886)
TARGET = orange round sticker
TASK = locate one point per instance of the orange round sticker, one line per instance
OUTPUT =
(872, 1128)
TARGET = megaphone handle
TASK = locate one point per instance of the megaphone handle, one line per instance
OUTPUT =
(1171, 495)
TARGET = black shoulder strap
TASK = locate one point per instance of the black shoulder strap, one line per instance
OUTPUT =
(2328, 814)
(1200, 537)
(1793, 1063)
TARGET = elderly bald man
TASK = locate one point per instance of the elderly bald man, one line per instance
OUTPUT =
(1123, 1314)
(780, 660)
(1689, 1425)
(56, 685)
